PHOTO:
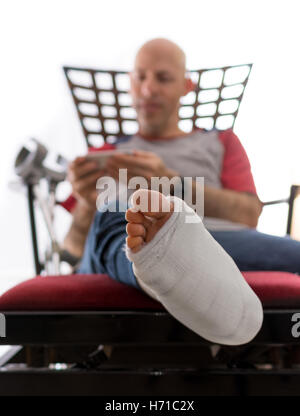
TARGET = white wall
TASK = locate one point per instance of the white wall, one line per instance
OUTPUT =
(38, 37)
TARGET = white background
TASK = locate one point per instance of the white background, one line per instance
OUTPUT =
(38, 37)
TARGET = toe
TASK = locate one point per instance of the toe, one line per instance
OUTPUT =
(152, 203)
(135, 230)
(134, 243)
(137, 218)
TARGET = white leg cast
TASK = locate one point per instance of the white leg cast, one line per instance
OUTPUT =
(197, 281)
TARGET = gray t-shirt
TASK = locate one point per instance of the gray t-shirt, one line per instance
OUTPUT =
(199, 154)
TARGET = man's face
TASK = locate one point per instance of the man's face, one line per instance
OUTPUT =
(157, 83)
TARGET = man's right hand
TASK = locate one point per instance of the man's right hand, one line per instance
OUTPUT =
(83, 175)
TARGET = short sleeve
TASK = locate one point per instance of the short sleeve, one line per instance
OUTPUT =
(236, 170)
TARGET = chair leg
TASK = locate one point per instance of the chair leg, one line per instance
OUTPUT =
(36, 356)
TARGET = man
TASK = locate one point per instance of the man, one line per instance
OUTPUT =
(156, 96)
(231, 204)
(231, 210)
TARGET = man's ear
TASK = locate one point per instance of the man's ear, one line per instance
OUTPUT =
(189, 85)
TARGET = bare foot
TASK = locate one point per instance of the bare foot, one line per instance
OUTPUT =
(143, 226)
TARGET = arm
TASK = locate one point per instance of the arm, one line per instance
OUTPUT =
(231, 205)
(236, 206)
(75, 239)
(237, 200)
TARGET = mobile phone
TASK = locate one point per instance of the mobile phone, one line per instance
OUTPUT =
(102, 156)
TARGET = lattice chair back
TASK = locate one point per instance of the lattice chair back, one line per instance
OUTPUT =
(103, 101)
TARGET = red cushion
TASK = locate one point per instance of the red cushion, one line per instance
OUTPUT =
(275, 289)
(74, 292)
(99, 292)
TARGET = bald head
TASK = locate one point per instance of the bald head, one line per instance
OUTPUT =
(158, 80)
(162, 49)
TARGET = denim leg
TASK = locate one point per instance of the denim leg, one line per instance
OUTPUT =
(253, 250)
(104, 249)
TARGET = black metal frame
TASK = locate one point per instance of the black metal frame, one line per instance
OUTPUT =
(30, 196)
(127, 327)
(165, 356)
(294, 192)
(96, 88)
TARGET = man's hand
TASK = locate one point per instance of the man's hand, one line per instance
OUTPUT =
(83, 175)
(141, 163)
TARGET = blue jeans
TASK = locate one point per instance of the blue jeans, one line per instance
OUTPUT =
(250, 249)
(104, 248)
